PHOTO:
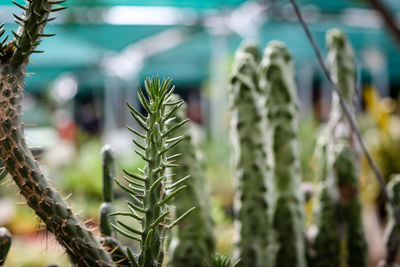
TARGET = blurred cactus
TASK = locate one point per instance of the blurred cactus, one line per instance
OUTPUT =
(5, 244)
(345, 167)
(193, 239)
(106, 208)
(79, 242)
(149, 192)
(218, 260)
(108, 240)
(280, 100)
(253, 176)
(339, 168)
(392, 235)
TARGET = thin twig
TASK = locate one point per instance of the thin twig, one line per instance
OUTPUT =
(347, 113)
(388, 17)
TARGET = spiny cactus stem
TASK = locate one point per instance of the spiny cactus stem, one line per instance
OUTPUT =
(5, 244)
(31, 29)
(346, 110)
(149, 196)
(281, 105)
(253, 176)
(79, 242)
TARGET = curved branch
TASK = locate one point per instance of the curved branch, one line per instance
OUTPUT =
(388, 17)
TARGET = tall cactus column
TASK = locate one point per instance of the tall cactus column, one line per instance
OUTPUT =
(340, 162)
(193, 240)
(79, 242)
(345, 163)
(108, 235)
(250, 161)
(149, 192)
(280, 96)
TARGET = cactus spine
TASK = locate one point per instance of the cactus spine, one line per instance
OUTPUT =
(280, 100)
(5, 244)
(79, 242)
(193, 240)
(250, 160)
(392, 235)
(341, 163)
(149, 192)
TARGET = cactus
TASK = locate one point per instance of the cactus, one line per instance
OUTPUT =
(345, 167)
(108, 239)
(218, 260)
(345, 162)
(327, 241)
(193, 239)
(106, 208)
(280, 101)
(5, 244)
(80, 244)
(250, 161)
(392, 232)
(149, 192)
(340, 164)
(326, 244)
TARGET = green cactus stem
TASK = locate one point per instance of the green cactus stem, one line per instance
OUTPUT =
(341, 63)
(108, 240)
(106, 208)
(280, 100)
(345, 162)
(107, 163)
(79, 242)
(327, 242)
(392, 232)
(341, 161)
(345, 167)
(149, 192)
(252, 175)
(193, 240)
(5, 244)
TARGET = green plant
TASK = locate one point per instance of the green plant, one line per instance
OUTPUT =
(149, 191)
(193, 239)
(218, 260)
(339, 168)
(79, 242)
(108, 238)
(252, 175)
(392, 235)
(5, 244)
(280, 101)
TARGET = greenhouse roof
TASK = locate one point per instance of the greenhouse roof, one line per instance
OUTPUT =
(81, 46)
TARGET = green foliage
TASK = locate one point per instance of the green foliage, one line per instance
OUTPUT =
(218, 260)
(250, 159)
(82, 175)
(193, 239)
(149, 191)
(5, 244)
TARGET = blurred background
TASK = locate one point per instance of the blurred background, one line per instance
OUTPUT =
(103, 49)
